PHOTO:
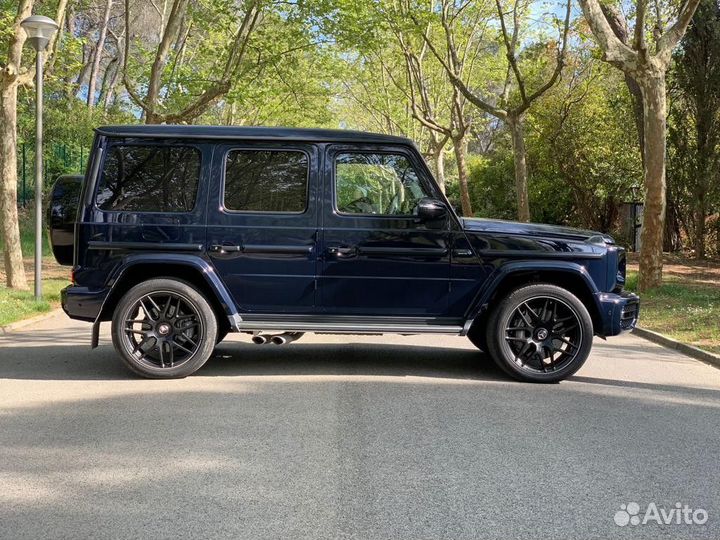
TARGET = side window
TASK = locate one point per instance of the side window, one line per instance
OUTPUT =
(266, 181)
(149, 179)
(376, 184)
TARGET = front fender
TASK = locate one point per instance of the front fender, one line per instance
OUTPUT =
(510, 269)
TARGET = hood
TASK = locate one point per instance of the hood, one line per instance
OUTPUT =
(534, 229)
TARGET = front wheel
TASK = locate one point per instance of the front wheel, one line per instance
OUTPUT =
(164, 329)
(540, 333)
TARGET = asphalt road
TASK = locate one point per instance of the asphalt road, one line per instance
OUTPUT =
(350, 437)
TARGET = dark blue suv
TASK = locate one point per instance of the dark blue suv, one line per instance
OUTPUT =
(181, 234)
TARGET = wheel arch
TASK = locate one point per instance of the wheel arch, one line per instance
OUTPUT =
(570, 276)
(193, 270)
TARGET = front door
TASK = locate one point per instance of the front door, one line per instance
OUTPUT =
(262, 225)
(377, 257)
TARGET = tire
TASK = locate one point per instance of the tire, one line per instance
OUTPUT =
(164, 329)
(539, 333)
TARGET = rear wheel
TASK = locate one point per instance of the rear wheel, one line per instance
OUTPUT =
(540, 333)
(164, 329)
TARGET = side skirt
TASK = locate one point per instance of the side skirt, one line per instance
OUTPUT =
(349, 324)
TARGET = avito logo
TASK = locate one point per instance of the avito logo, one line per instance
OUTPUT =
(680, 514)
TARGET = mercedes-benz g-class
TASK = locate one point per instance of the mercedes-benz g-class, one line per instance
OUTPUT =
(181, 234)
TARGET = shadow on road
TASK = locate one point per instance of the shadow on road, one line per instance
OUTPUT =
(707, 393)
(351, 359)
(72, 359)
(56, 354)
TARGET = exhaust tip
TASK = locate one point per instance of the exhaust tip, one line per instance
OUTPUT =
(278, 340)
(259, 340)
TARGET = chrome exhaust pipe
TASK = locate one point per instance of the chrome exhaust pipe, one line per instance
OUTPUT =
(286, 337)
(259, 339)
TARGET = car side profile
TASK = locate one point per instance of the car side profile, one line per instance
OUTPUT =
(181, 234)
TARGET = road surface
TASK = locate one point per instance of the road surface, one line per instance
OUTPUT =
(351, 437)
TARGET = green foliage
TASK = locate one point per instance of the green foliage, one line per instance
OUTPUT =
(8, 10)
(682, 309)
(492, 191)
(583, 156)
(288, 84)
(584, 139)
(694, 125)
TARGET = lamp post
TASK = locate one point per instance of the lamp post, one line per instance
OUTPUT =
(39, 30)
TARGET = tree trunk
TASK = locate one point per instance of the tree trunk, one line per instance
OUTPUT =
(653, 226)
(521, 174)
(704, 177)
(619, 26)
(92, 86)
(154, 84)
(699, 239)
(439, 166)
(71, 89)
(460, 147)
(12, 251)
(116, 77)
(107, 75)
(671, 237)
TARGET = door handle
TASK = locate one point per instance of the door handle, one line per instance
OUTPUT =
(343, 252)
(225, 248)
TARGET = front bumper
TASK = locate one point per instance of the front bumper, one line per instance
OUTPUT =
(82, 303)
(619, 312)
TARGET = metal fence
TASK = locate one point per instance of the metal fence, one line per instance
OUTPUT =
(60, 158)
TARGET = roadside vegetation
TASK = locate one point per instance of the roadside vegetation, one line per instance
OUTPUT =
(17, 305)
(27, 235)
(686, 306)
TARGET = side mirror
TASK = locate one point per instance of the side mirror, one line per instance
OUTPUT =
(431, 209)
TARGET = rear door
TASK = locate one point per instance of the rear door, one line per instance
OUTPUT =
(262, 225)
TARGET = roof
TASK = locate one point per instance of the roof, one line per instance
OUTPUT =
(250, 133)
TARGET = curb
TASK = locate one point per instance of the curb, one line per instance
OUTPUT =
(27, 322)
(688, 350)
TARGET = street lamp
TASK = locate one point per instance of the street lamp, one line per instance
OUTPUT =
(39, 30)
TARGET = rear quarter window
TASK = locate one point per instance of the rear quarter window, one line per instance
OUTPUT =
(149, 179)
(274, 181)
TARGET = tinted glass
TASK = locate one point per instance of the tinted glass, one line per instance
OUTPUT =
(382, 184)
(266, 181)
(149, 179)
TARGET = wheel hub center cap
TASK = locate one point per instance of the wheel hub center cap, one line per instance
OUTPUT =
(163, 329)
(542, 334)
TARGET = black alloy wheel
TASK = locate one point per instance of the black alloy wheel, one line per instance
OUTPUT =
(540, 333)
(164, 328)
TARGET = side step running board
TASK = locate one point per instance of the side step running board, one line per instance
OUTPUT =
(348, 328)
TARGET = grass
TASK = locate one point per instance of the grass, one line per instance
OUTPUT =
(18, 305)
(680, 309)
